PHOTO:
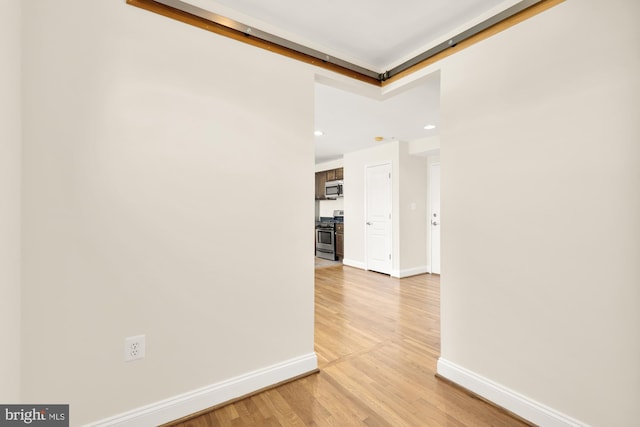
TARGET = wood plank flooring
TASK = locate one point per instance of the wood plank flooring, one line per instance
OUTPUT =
(377, 340)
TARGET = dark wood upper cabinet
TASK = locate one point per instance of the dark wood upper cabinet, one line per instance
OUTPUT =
(339, 173)
(324, 176)
(321, 178)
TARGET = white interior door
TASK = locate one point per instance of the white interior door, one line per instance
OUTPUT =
(434, 191)
(378, 218)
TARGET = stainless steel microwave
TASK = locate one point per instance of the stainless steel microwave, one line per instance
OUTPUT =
(332, 189)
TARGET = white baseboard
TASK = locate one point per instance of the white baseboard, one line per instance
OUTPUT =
(356, 264)
(394, 273)
(407, 272)
(506, 398)
(195, 401)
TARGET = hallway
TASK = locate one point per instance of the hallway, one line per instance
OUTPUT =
(377, 339)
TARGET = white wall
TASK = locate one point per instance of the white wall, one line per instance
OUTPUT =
(326, 207)
(354, 199)
(429, 146)
(409, 225)
(541, 195)
(10, 165)
(151, 150)
(431, 160)
(332, 164)
(412, 230)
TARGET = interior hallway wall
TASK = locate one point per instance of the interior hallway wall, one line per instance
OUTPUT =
(10, 200)
(355, 165)
(151, 153)
(541, 194)
(408, 225)
(413, 213)
(431, 160)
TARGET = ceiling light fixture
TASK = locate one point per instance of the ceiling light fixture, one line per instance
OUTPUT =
(318, 133)
(429, 127)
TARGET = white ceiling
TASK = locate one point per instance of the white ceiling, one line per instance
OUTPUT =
(350, 122)
(374, 34)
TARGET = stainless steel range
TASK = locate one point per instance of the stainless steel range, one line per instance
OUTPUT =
(326, 235)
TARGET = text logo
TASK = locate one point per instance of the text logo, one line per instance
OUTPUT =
(34, 415)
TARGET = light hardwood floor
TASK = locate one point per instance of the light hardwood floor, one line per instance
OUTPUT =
(377, 340)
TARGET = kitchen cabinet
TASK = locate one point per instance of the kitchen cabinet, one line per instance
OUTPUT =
(339, 241)
(321, 178)
(324, 176)
(335, 174)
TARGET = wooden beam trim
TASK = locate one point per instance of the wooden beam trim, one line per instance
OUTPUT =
(485, 34)
(213, 27)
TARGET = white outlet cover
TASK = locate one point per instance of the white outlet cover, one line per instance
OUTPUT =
(134, 348)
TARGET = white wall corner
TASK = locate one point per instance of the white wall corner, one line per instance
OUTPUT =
(198, 400)
(407, 272)
(354, 263)
(504, 397)
(10, 200)
(429, 146)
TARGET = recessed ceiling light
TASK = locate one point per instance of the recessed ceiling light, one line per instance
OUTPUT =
(429, 127)
(379, 138)
(318, 133)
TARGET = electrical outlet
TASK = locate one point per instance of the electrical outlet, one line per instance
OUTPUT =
(134, 348)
